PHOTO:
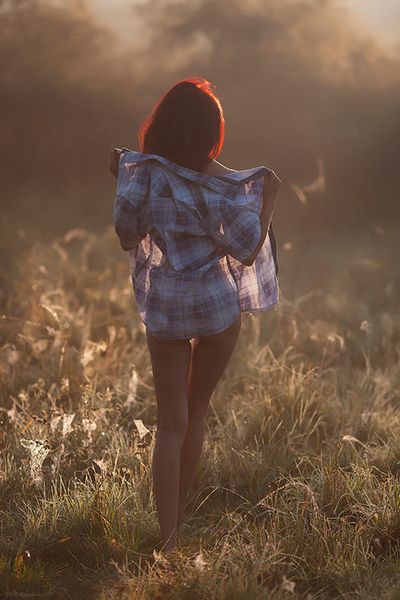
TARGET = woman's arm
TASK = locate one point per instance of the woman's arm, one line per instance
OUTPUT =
(272, 186)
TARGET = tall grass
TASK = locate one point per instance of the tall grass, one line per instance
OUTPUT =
(296, 494)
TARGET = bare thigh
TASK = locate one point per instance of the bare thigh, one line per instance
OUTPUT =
(170, 364)
(210, 356)
(185, 375)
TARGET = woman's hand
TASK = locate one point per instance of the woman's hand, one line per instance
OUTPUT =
(114, 161)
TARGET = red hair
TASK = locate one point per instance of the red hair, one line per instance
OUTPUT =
(186, 125)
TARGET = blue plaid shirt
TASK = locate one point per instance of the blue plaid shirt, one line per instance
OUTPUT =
(186, 234)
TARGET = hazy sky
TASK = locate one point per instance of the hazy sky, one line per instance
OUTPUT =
(380, 16)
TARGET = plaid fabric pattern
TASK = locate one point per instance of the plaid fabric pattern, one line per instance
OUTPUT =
(186, 234)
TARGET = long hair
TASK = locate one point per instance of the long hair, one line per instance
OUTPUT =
(186, 125)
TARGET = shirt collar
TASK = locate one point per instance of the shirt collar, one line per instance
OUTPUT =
(223, 184)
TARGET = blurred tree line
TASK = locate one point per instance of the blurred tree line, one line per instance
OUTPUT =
(298, 81)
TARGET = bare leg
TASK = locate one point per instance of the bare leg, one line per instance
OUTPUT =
(170, 364)
(210, 356)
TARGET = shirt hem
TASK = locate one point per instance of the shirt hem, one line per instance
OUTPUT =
(189, 337)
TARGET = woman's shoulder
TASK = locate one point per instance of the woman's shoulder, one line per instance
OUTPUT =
(216, 168)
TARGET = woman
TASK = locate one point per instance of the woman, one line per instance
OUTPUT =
(196, 235)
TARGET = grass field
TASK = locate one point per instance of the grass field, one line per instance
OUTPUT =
(297, 492)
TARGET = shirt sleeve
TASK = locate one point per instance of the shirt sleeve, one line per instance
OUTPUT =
(241, 230)
(131, 210)
(236, 226)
